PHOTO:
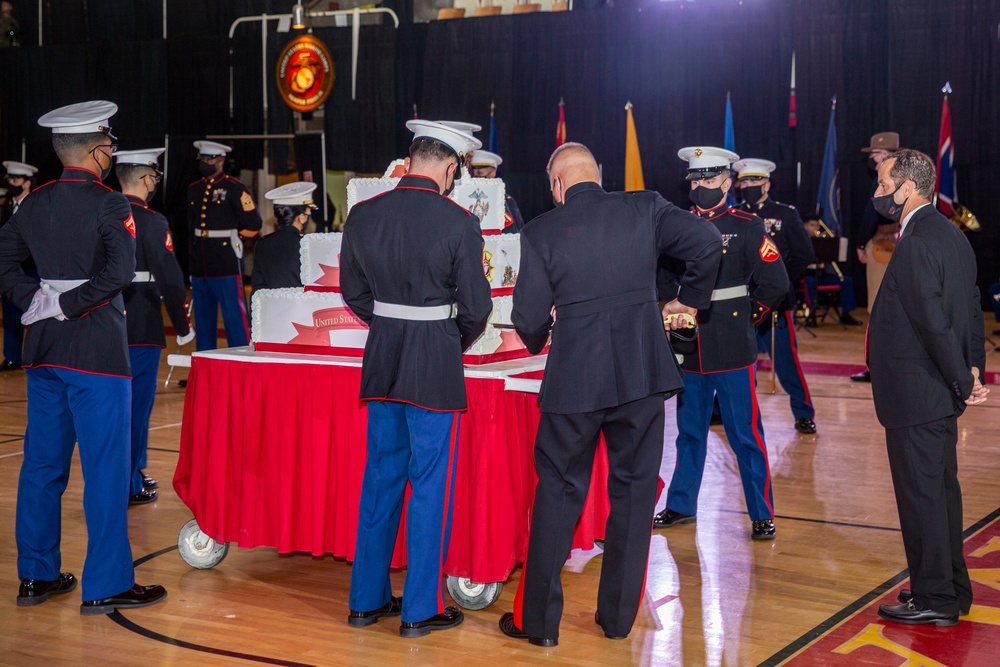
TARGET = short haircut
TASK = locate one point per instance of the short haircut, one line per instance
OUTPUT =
(429, 150)
(69, 146)
(285, 214)
(571, 148)
(915, 166)
(129, 174)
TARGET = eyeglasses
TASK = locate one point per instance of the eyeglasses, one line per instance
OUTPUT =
(111, 147)
(156, 177)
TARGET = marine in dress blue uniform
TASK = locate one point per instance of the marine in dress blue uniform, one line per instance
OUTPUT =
(158, 284)
(751, 282)
(276, 260)
(20, 180)
(610, 367)
(82, 237)
(783, 224)
(221, 212)
(484, 165)
(422, 314)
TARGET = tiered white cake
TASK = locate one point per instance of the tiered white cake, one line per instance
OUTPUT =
(315, 319)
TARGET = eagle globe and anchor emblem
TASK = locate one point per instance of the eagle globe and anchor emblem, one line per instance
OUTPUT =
(481, 205)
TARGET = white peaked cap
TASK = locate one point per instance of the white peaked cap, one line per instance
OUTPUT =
(461, 126)
(457, 140)
(486, 159)
(19, 168)
(293, 194)
(706, 161)
(145, 156)
(211, 148)
(754, 168)
(80, 118)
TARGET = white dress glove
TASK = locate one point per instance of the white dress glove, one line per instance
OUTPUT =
(44, 304)
(184, 340)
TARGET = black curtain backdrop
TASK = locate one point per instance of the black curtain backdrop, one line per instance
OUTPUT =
(885, 60)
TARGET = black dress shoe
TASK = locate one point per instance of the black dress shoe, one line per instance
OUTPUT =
(143, 497)
(762, 530)
(668, 518)
(905, 595)
(597, 619)
(137, 596)
(37, 591)
(912, 614)
(9, 366)
(805, 425)
(361, 619)
(450, 618)
(863, 376)
(849, 320)
(149, 482)
(508, 627)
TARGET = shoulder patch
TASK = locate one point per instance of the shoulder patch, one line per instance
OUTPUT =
(130, 225)
(246, 201)
(768, 251)
(169, 243)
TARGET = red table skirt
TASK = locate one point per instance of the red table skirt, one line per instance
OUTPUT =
(273, 454)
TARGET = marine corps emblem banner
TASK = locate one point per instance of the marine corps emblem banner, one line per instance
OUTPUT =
(305, 73)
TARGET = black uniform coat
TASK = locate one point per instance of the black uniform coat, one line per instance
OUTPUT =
(783, 224)
(411, 246)
(276, 260)
(726, 339)
(218, 203)
(926, 326)
(595, 259)
(154, 253)
(75, 228)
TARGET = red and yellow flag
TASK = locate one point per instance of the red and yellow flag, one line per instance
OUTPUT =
(633, 162)
(561, 127)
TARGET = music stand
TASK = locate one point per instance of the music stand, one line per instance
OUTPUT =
(828, 250)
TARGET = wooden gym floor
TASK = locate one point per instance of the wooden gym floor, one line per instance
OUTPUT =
(714, 597)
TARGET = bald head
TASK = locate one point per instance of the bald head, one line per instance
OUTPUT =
(570, 164)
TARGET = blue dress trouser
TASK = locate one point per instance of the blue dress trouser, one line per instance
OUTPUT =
(13, 331)
(210, 294)
(744, 430)
(145, 366)
(66, 406)
(405, 442)
(787, 366)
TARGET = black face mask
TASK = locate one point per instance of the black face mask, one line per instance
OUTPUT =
(149, 195)
(206, 169)
(14, 190)
(887, 207)
(751, 194)
(104, 172)
(872, 164)
(706, 198)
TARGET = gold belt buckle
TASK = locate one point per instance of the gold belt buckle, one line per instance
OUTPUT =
(204, 233)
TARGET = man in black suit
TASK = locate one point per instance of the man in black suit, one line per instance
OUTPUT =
(927, 359)
(594, 258)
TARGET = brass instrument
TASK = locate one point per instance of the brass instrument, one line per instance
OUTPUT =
(964, 219)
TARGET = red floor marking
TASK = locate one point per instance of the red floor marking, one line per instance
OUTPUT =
(865, 639)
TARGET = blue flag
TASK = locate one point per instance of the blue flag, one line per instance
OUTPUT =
(729, 143)
(828, 197)
(494, 137)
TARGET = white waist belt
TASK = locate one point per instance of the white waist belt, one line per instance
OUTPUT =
(62, 286)
(729, 293)
(415, 313)
(214, 233)
(144, 277)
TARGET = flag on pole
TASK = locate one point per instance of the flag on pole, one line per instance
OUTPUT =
(828, 197)
(561, 127)
(792, 122)
(633, 161)
(494, 136)
(729, 143)
(944, 188)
